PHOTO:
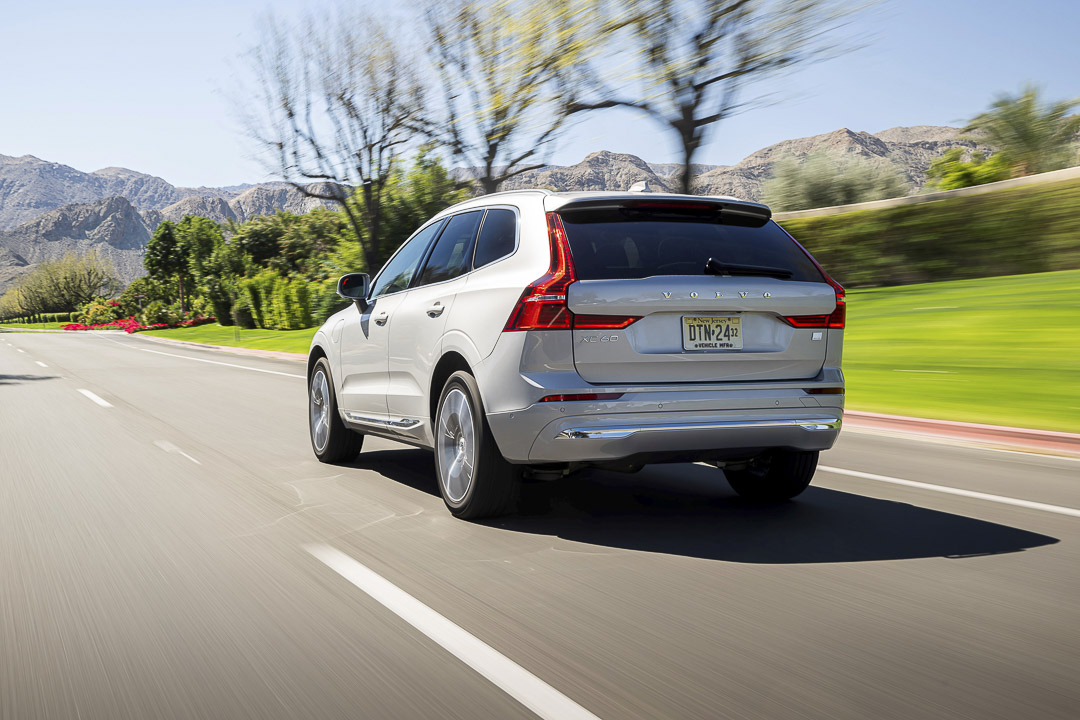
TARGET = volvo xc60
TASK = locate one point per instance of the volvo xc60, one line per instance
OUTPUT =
(529, 334)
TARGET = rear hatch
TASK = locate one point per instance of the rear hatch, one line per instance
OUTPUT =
(719, 293)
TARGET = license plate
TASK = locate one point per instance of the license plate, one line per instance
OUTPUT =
(711, 333)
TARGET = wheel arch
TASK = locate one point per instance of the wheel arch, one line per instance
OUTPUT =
(450, 363)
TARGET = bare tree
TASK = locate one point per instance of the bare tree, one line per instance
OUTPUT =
(499, 65)
(691, 60)
(332, 106)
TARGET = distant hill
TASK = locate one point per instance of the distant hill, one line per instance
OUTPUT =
(908, 149)
(112, 228)
(30, 186)
(47, 208)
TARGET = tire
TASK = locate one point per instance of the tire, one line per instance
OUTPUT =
(337, 442)
(775, 476)
(462, 437)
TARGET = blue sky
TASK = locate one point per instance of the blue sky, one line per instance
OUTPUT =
(141, 84)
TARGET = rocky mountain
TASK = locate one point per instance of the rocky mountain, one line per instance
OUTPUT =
(47, 208)
(112, 228)
(30, 186)
(910, 150)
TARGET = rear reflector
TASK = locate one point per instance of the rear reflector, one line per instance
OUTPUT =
(604, 322)
(583, 396)
(824, 391)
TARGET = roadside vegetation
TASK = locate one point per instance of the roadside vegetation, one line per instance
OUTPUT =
(1003, 350)
(1005, 232)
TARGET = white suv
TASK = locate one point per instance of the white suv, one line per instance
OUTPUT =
(528, 334)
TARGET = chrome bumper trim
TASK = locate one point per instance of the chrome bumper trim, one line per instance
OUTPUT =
(618, 433)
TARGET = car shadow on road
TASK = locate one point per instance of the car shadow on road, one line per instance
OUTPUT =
(16, 379)
(684, 509)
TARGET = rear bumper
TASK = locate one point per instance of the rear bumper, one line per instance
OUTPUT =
(610, 437)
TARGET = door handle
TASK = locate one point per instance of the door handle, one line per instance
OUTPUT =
(436, 310)
(381, 318)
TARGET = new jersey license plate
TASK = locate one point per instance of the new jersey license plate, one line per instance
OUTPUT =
(711, 333)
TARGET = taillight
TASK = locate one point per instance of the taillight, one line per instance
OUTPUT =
(542, 305)
(835, 319)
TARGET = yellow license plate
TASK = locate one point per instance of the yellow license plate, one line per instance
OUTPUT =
(711, 333)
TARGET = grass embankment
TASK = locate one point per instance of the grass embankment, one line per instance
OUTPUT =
(1003, 350)
(295, 341)
(32, 326)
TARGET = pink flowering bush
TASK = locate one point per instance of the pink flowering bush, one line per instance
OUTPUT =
(131, 325)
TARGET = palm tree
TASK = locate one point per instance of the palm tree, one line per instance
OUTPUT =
(1033, 137)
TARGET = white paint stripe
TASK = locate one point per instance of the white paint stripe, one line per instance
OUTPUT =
(20, 350)
(955, 491)
(217, 362)
(95, 398)
(170, 448)
(516, 681)
(41, 363)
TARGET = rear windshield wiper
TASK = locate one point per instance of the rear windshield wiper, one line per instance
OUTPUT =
(713, 267)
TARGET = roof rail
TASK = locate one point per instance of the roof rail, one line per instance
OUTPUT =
(542, 191)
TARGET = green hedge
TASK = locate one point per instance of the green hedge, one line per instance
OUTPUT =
(1018, 230)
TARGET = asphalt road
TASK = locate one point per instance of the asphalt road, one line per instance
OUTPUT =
(170, 548)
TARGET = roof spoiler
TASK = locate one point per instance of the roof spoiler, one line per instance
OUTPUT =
(750, 212)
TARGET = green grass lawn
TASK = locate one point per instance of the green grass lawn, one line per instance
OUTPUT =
(296, 341)
(1002, 350)
(33, 326)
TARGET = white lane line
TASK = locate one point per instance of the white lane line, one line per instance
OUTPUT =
(218, 362)
(516, 681)
(20, 350)
(95, 398)
(41, 363)
(170, 448)
(955, 491)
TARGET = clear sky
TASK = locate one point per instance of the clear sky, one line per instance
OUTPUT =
(140, 84)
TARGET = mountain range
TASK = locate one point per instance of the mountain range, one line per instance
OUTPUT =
(48, 209)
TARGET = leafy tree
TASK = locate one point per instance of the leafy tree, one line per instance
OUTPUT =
(1033, 136)
(500, 64)
(822, 181)
(691, 61)
(951, 171)
(414, 196)
(63, 285)
(198, 236)
(166, 256)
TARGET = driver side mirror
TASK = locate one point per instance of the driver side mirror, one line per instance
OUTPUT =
(354, 286)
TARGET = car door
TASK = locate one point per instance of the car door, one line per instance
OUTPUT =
(416, 338)
(365, 337)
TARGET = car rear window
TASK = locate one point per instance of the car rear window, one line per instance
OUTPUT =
(615, 244)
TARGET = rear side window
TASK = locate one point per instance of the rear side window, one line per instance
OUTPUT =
(452, 251)
(497, 238)
(613, 243)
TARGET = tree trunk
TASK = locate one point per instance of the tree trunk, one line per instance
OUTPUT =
(686, 174)
(180, 284)
(489, 184)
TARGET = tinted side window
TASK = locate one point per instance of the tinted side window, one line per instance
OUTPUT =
(450, 257)
(398, 273)
(497, 237)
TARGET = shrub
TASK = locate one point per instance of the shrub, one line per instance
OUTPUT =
(99, 313)
(242, 315)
